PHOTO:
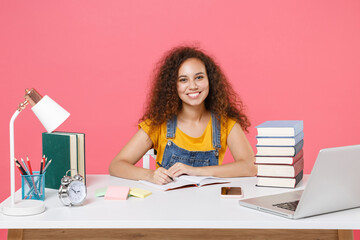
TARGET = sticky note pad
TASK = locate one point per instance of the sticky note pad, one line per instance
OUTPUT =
(117, 193)
(100, 192)
(138, 192)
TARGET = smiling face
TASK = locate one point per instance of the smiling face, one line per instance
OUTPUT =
(192, 83)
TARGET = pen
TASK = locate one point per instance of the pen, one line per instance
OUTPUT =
(28, 162)
(47, 164)
(159, 164)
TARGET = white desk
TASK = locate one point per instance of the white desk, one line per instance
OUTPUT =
(184, 211)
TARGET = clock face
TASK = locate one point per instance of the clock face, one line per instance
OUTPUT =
(76, 192)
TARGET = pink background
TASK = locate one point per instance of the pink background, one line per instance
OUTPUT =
(286, 59)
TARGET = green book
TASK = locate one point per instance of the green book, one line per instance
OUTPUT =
(67, 151)
(81, 169)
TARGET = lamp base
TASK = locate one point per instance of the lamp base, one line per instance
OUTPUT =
(23, 208)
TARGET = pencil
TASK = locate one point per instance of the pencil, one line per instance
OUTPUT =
(30, 173)
(47, 164)
(25, 167)
(159, 164)
(21, 169)
(43, 171)
(23, 172)
(42, 164)
(28, 162)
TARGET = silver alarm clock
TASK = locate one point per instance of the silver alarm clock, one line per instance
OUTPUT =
(72, 190)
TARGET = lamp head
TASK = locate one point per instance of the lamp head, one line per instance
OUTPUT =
(32, 97)
(50, 114)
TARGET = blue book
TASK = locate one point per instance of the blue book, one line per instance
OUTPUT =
(279, 151)
(279, 141)
(280, 128)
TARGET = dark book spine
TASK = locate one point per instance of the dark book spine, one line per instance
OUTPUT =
(298, 178)
(298, 147)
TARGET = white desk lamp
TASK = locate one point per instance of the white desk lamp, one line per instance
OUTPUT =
(51, 115)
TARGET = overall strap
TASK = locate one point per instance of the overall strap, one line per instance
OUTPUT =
(216, 131)
(171, 127)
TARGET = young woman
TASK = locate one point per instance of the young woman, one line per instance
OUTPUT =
(193, 114)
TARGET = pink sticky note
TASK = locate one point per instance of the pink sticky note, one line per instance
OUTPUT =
(117, 193)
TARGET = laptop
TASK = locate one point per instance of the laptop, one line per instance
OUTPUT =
(332, 186)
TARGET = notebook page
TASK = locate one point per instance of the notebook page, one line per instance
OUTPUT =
(203, 180)
(178, 182)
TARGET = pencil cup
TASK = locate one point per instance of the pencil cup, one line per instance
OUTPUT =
(33, 186)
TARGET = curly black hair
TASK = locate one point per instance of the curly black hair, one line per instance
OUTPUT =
(164, 102)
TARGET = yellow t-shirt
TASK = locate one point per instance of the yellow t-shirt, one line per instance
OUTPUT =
(182, 140)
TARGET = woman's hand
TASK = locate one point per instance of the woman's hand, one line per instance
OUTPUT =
(161, 176)
(179, 169)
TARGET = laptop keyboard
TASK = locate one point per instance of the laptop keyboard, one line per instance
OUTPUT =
(287, 205)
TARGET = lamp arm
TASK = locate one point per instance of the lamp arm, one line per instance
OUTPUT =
(12, 157)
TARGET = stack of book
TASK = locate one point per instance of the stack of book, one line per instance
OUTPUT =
(280, 155)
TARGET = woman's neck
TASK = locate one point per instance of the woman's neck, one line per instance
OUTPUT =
(193, 113)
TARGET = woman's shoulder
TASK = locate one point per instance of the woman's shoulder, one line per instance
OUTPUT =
(227, 123)
(147, 125)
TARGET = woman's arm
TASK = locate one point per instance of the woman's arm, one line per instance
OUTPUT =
(241, 151)
(123, 163)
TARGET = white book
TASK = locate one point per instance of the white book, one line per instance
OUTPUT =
(279, 160)
(187, 181)
(280, 128)
(279, 141)
(279, 151)
(279, 181)
(277, 170)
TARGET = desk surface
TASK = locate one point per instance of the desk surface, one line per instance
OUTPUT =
(184, 208)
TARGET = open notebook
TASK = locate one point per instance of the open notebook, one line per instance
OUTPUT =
(187, 181)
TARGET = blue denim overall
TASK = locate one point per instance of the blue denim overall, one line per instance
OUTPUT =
(174, 154)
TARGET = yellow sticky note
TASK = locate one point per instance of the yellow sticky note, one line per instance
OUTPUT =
(138, 192)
